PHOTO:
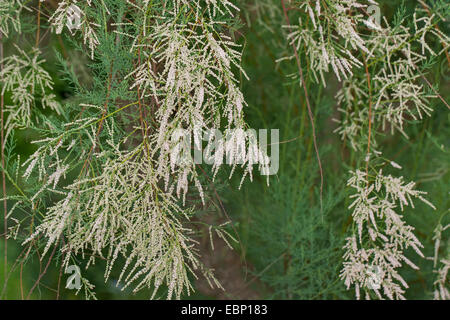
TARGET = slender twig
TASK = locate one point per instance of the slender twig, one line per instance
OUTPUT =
(38, 31)
(42, 273)
(311, 117)
(21, 271)
(370, 117)
(60, 269)
(100, 126)
(144, 128)
(415, 67)
(2, 138)
(435, 92)
(427, 9)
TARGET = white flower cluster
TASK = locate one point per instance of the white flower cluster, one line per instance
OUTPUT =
(399, 93)
(123, 212)
(194, 87)
(49, 165)
(352, 101)
(396, 88)
(383, 236)
(184, 73)
(330, 37)
(24, 77)
(442, 283)
(10, 16)
(66, 11)
(388, 94)
(334, 37)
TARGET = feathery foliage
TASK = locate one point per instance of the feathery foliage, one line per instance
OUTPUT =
(102, 101)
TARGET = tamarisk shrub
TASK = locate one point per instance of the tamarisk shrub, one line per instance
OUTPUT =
(104, 180)
(176, 62)
(387, 91)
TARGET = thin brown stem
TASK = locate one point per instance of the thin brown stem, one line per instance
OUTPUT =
(311, 116)
(427, 9)
(38, 31)
(42, 273)
(435, 92)
(141, 111)
(2, 142)
(370, 117)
